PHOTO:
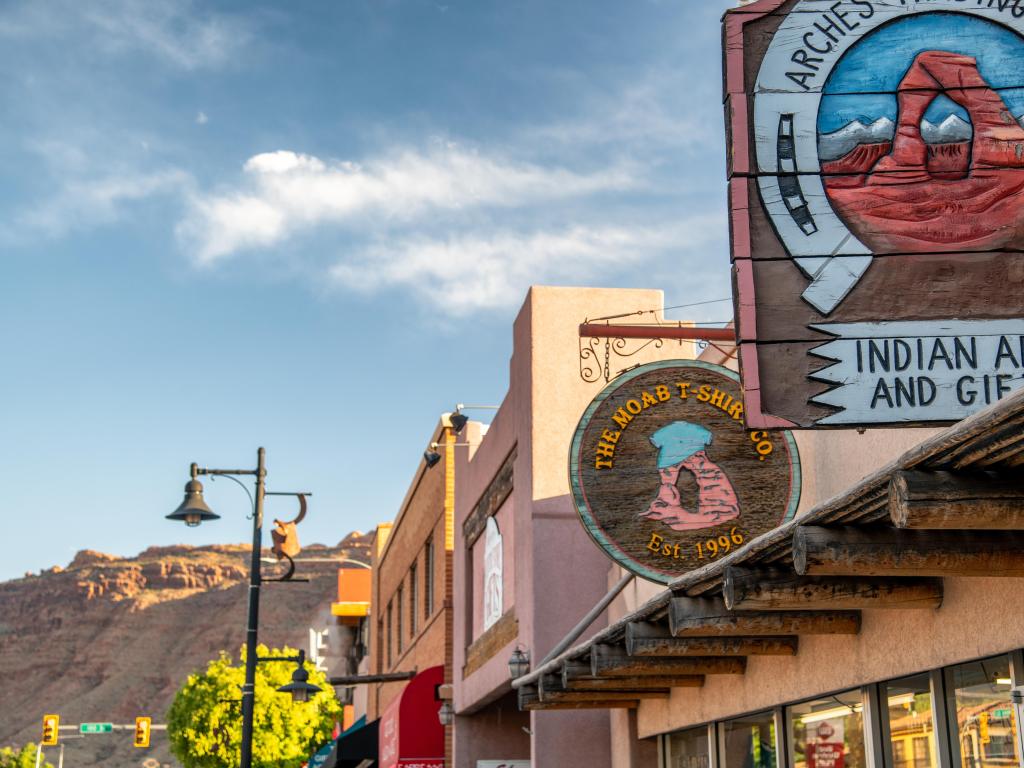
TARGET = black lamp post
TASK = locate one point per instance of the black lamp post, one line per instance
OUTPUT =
(194, 510)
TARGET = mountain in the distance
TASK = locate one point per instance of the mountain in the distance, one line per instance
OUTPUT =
(107, 638)
(832, 146)
(952, 130)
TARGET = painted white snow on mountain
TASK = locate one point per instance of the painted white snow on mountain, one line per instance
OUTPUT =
(832, 146)
(952, 130)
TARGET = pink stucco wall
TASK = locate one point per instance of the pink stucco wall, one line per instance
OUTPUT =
(557, 572)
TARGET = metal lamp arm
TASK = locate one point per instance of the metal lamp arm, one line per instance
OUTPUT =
(298, 659)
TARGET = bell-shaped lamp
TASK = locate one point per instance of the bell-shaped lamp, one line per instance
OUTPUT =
(299, 687)
(446, 714)
(431, 458)
(458, 420)
(193, 509)
(519, 663)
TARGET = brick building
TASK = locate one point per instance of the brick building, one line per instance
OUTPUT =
(411, 625)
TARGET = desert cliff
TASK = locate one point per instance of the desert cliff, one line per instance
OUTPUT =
(107, 639)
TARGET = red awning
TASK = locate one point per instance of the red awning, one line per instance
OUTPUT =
(411, 736)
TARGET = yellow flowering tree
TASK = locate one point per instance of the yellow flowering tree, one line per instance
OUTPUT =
(11, 757)
(204, 724)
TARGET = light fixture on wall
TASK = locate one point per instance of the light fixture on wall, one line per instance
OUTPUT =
(519, 663)
(432, 456)
(459, 419)
(446, 714)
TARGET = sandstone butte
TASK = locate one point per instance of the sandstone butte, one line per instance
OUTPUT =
(108, 639)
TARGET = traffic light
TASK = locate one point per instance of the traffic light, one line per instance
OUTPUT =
(51, 724)
(143, 728)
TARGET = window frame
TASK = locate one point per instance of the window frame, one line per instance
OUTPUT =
(413, 600)
(428, 578)
(399, 635)
(875, 719)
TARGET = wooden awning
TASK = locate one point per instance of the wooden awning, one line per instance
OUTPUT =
(953, 506)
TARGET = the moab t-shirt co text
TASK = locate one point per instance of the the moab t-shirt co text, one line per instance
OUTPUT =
(665, 476)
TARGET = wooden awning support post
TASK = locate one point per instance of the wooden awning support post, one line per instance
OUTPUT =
(894, 552)
(651, 639)
(947, 500)
(613, 661)
(746, 589)
(708, 617)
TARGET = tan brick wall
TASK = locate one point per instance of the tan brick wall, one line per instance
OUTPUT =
(421, 518)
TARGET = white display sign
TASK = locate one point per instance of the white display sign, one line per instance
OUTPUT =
(919, 370)
(318, 648)
(493, 574)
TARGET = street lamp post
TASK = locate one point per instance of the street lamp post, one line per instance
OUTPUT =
(193, 510)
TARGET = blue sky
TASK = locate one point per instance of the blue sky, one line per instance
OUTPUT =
(309, 226)
(876, 66)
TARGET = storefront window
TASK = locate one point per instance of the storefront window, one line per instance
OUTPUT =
(688, 749)
(980, 695)
(828, 732)
(911, 724)
(748, 742)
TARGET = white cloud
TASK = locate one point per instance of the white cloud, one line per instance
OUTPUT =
(285, 193)
(202, 119)
(89, 182)
(659, 112)
(482, 271)
(88, 201)
(179, 32)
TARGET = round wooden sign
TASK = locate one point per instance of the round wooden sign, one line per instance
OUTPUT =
(665, 476)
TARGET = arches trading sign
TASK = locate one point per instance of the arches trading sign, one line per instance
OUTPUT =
(876, 166)
(665, 476)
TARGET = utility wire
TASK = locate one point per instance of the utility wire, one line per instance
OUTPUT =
(660, 309)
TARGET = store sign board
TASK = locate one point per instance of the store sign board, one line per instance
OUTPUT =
(876, 171)
(666, 477)
(826, 744)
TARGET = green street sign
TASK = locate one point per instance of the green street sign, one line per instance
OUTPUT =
(96, 728)
(1001, 713)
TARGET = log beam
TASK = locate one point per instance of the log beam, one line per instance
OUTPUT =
(551, 688)
(895, 552)
(559, 705)
(527, 696)
(591, 683)
(612, 660)
(617, 695)
(746, 589)
(947, 500)
(708, 617)
(645, 638)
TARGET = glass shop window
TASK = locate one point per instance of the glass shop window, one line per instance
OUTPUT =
(748, 742)
(688, 749)
(979, 693)
(828, 732)
(908, 703)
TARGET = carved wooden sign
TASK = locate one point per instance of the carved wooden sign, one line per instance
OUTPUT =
(876, 184)
(665, 476)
